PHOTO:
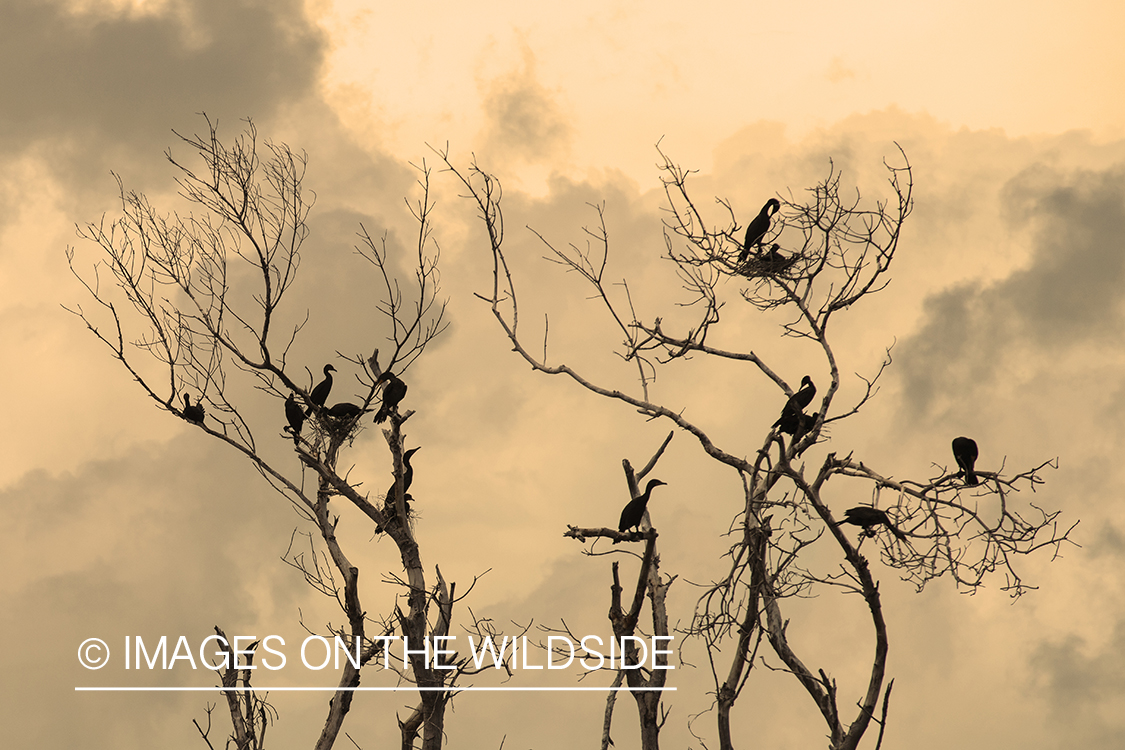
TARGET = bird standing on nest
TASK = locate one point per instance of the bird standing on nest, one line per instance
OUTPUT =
(345, 410)
(320, 394)
(758, 228)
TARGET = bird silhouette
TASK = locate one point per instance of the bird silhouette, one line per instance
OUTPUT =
(632, 513)
(393, 392)
(295, 416)
(193, 412)
(407, 480)
(965, 451)
(869, 518)
(345, 410)
(407, 476)
(758, 228)
(793, 420)
(320, 394)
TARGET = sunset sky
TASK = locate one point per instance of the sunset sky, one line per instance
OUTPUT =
(1006, 315)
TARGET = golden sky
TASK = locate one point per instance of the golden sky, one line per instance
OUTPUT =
(1006, 315)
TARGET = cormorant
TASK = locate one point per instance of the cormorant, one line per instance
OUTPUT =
(795, 423)
(869, 518)
(758, 228)
(320, 394)
(773, 259)
(965, 451)
(296, 416)
(407, 475)
(804, 396)
(193, 412)
(793, 419)
(345, 410)
(407, 480)
(393, 392)
(632, 513)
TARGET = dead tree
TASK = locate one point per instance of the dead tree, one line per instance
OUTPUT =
(827, 252)
(174, 305)
(250, 714)
(645, 684)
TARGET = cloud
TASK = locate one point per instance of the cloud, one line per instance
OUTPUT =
(1068, 295)
(89, 87)
(523, 120)
(1083, 688)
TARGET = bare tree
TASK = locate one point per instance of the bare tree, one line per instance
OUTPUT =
(250, 714)
(837, 252)
(646, 683)
(174, 304)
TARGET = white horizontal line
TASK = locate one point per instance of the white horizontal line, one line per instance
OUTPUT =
(364, 689)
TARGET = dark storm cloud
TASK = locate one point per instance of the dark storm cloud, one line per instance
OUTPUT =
(90, 83)
(1070, 294)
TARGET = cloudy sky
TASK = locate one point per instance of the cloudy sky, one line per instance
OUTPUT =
(1006, 314)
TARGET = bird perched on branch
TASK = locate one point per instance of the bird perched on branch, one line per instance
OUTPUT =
(407, 480)
(793, 420)
(320, 394)
(869, 518)
(393, 392)
(632, 513)
(193, 412)
(796, 423)
(758, 228)
(407, 476)
(295, 416)
(965, 451)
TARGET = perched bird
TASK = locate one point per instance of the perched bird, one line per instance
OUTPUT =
(790, 420)
(345, 410)
(632, 513)
(320, 394)
(758, 228)
(965, 451)
(869, 518)
(296, 416)
(407, 480)
(773, 256)
(805, 423)
(193, 412)
(804, 396)
(407, 476)
(793, 419)
(772, 261)
(794, 422)
(393, 392)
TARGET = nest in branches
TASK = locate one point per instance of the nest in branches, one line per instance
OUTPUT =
(338, 429)
(764, 265)
(392, 514)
